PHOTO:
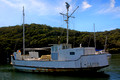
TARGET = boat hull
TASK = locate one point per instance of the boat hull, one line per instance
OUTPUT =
(34, 69)
(84, 63)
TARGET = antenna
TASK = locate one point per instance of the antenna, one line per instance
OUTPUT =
(67, 21)
(23, 33)
(73, 11)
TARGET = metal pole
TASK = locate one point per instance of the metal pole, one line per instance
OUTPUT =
(94, 36)
(23, 33)
(67, 21)
(105, 44)
(67, 26)
(67, 6)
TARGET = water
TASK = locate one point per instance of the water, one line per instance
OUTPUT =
(110, 73)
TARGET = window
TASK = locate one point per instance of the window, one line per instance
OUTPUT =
(63, 47)
(52, 48)
(72, 53)
(56, 48)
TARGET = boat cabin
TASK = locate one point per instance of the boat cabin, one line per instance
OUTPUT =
(59, 52)
(62, 52)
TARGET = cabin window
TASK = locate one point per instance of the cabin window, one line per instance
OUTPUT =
(52, 48)
(66, 47)
(72, 53)
(55, 48)
(63, 47)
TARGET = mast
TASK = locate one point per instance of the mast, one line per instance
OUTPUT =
(67, 21)
(23, 33)
(94, 36)
(67, 6)
(105, 44)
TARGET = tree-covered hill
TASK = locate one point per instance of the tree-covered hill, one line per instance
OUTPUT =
(37, 35)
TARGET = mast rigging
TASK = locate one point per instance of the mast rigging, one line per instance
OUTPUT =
(67, 21)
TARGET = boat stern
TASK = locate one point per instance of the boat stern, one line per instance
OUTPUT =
(94, 61)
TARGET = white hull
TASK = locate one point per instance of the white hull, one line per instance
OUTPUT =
(83, 63)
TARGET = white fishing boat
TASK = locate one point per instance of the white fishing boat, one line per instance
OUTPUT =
(62, 58)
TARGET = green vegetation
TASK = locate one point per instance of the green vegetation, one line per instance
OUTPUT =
(37, 35)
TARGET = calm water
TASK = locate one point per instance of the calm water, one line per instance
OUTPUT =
(110, 73)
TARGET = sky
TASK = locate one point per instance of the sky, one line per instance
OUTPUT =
(105, 14)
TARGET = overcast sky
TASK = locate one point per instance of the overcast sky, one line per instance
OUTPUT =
(105, 14)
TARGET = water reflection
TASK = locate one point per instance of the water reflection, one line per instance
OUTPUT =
(53, 76)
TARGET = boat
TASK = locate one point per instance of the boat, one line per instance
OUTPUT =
(63, 57)
(103, 51)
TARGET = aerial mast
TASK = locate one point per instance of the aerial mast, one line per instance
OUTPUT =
(67, 6)
(23, 33)
(67, 21)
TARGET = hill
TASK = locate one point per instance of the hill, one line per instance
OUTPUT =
(37, 35)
